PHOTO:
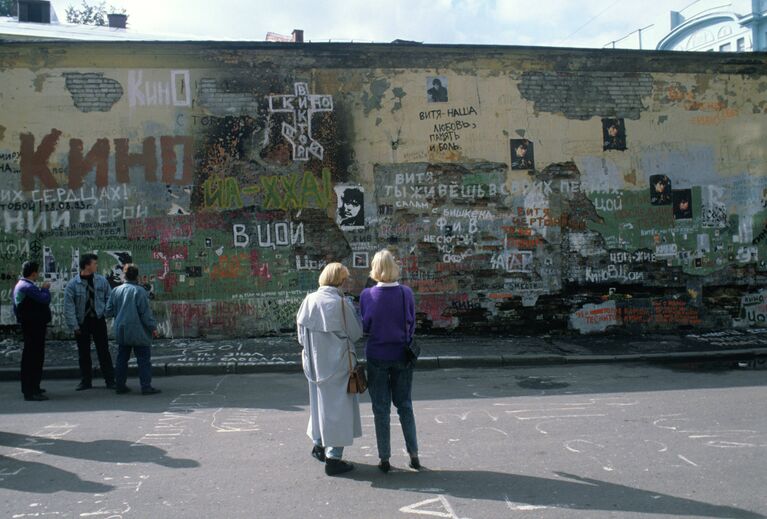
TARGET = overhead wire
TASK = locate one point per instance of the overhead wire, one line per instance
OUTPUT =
(600, 13)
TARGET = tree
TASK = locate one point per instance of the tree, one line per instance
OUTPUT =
(90, 14)
(7, 7)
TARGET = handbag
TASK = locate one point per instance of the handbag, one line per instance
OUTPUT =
(358, 381)
(412, 349)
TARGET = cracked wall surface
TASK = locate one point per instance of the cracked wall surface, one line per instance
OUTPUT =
(522, 190)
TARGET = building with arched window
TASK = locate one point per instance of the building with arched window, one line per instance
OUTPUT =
(705, 26)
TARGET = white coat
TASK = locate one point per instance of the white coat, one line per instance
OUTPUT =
(335, 414)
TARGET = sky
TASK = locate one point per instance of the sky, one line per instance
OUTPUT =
(565, 23)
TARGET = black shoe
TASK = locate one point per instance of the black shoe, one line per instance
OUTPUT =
(35, 398)
(82, 386)
(111, 385)
(414, 463)
(150, 391)
(40, 391)
(335, 467)
(319, 452)
(122, 390)
(384, 467)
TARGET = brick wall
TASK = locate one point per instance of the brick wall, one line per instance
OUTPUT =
(524, 191)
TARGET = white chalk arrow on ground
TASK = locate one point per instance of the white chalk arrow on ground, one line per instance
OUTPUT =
(434, 507)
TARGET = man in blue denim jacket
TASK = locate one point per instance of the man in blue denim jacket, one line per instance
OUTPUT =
(134, 328)
(85, 300)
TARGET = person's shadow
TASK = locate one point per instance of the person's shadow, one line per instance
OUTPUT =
(570, 492)
(110, 451)
(39, 478)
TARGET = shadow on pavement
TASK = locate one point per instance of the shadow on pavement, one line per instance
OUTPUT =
(39, 478)
(570, 492)
(108, 451)
(280, 392)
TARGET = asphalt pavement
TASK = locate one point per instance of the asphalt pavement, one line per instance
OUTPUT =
(182, 356)
(570, 441)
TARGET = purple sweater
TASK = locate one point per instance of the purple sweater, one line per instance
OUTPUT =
(384, 319)
(27, 300)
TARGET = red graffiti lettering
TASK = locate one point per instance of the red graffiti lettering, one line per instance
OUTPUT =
(124, 160)
(34, 164)
(79, 166)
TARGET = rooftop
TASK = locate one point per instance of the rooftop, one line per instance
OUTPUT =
(13, 30)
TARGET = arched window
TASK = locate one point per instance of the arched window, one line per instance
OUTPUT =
(724, 32)
(702, 37)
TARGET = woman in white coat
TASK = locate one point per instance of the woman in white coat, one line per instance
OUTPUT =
(328, 327)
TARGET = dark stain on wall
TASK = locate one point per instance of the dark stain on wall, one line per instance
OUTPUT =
(371, 99)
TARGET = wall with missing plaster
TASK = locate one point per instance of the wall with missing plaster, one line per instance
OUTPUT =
(523, 190)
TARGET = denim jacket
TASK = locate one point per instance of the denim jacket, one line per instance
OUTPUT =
(134, 322)
(76, 294)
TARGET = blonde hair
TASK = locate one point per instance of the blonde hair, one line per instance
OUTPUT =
(383, 268)
(333, 275)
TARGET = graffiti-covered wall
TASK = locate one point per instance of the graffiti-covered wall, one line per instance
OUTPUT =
(522, 190)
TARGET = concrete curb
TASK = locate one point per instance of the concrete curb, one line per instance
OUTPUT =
(474, 361)
(424, 363)
(285, 367)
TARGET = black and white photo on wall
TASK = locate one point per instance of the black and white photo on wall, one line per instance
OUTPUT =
(522, 154)
(660, 190)
(436, 89)
(350, 213)
(613, 134)
(360, 260)
(682, 199)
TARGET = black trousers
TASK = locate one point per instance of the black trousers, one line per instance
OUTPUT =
(32, 358)
(95, 329)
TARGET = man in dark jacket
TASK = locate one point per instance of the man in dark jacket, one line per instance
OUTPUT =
(32, 308)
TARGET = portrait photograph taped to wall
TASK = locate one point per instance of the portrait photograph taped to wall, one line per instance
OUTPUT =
(49, 264)
(360, 260)
(660, 190)
(522, 154)
(350, 213)
(119, 259)
(436, 89)
(613, 134)
(682, 199)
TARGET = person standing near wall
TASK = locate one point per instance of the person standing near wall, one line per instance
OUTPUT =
(85, 300)
(388, 315)
(328, 327)
(134, 327)
(31, 305)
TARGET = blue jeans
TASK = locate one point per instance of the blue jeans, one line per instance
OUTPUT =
(143, 359)
(392, 381)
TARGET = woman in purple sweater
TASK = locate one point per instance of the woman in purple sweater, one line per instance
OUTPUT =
(388, 316)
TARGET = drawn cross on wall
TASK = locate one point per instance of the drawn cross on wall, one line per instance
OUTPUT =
(302, 105)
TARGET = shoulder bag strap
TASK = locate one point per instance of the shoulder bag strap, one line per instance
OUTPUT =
(404, 315)
(346, 328)
(310, 356)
